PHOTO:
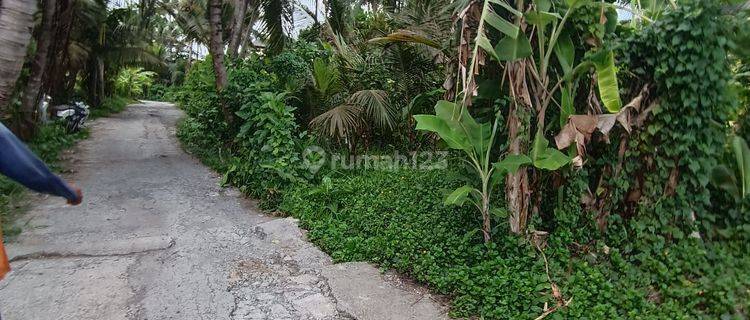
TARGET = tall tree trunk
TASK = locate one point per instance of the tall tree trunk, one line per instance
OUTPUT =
(95, 71)
(57, 67)
(517, 184)
(217, 54)
(16, 22)
(27, 127)
(317, 3)
(238, 30)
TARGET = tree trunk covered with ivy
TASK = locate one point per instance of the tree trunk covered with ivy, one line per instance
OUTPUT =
(668, 161)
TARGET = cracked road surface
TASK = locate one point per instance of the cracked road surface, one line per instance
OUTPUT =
(158, 238)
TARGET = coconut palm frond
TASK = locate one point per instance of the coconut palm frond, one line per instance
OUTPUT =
(338, 15)
(407, 36)
(340, 122)
(275, 14)
(376, 107)
(78, 53)
(305, 9)
(134, 56)
(350, 57)
(326, 78)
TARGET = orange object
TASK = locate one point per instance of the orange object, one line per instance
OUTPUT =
(4, 264)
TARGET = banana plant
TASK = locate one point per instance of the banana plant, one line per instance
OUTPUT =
(460, 131)
(534, 33)
(735, 179)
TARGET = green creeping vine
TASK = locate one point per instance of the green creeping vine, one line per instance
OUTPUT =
(684, 54)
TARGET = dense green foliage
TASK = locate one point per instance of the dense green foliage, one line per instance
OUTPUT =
(683, 55)
(626, 226)
(258, 155)
(134, 82)
(397, 219)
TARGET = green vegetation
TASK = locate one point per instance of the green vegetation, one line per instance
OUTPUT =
(134, 82)
(586, 144)
(111, 105)
(398, 220)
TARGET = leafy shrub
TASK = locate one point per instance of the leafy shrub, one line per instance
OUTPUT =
(134, 82)
(209, 148)
(157, 92)
(268, 154)
(53, 139)
(198, 98)
(684, 55)
(292, 65)
(259, 155)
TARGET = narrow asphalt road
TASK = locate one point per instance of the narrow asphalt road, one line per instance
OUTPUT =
(158, 238)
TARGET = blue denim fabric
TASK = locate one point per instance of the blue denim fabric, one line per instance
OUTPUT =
(20, 164)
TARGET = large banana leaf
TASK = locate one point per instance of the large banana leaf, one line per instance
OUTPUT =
(566, 106)
(511, 164)
(509, 49)
(742, 157)
(541, 18)
(735, 182)
(485, 44)
(565, 52)
(607, 77)
(544, 157)
(458, 196)
(507, 6)
(502, 25)
(543, 5)
(455, 140)
(456, 127)
(723, 178)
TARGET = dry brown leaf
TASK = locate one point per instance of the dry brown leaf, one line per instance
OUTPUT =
(556, 294)
(578, 130)
(580, 127)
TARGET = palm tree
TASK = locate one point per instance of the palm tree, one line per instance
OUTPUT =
(346, 117)
(275, 14)
(27, 127)
(16, 21)
(216, 47)
(238, 26)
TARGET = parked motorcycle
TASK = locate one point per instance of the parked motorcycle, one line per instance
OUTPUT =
(74, 116)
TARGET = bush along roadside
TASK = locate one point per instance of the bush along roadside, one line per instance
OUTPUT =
(622, 225)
